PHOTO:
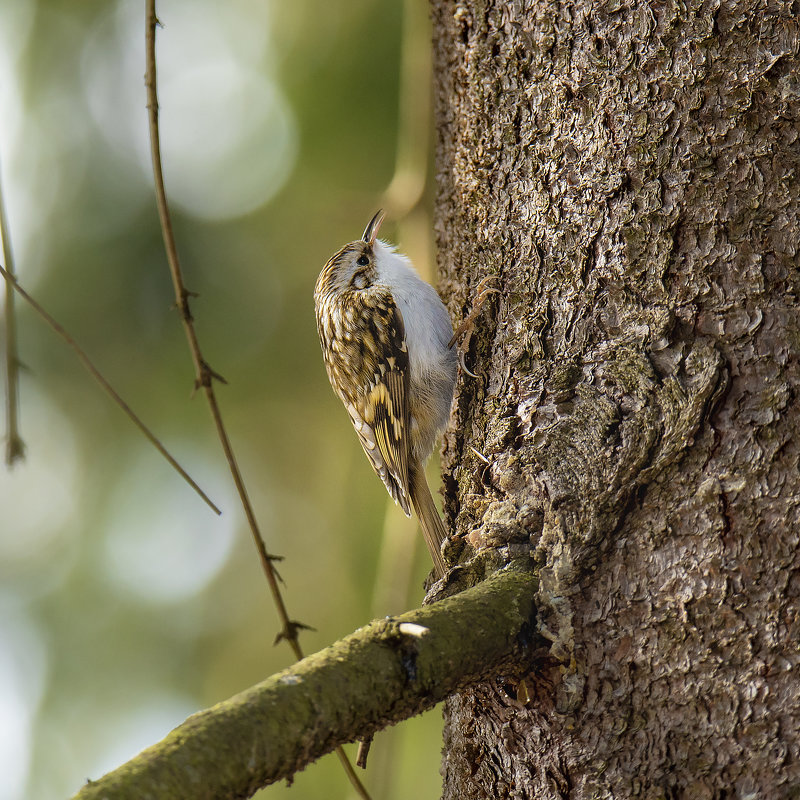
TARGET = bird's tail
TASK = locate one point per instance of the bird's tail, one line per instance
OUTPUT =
(432, 526)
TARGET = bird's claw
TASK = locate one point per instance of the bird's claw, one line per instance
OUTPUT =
(483, 291)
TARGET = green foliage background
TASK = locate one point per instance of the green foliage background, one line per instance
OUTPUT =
(125, 604)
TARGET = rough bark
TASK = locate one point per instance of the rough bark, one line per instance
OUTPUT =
(630, 174)
(385, 672)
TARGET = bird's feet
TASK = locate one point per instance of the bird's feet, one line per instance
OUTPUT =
(484, 289)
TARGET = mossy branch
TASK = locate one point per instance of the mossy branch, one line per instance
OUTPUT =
(388, 671)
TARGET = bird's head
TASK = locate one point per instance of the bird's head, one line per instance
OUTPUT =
(355, 266)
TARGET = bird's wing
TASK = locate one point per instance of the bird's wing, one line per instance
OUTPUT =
(380, 413)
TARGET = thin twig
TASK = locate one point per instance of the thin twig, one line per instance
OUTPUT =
(15, 447)
(363, 751)
(95, 373)
(204, 376)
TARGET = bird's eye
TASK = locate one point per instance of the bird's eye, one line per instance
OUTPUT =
(362, 261)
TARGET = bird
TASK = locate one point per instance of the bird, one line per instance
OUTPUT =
(386, 343)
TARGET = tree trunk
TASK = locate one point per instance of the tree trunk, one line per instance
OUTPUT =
(630, 175)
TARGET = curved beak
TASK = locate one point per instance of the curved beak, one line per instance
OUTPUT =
(371, 231)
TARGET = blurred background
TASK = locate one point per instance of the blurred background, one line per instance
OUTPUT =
(125, 603)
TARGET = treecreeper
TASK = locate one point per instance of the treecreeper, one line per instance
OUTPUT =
(387, 343)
